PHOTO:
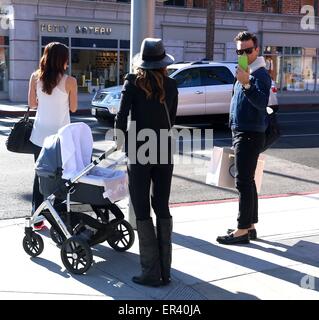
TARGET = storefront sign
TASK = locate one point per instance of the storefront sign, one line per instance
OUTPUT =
(79, 29)
(54, 28)
(93, 30)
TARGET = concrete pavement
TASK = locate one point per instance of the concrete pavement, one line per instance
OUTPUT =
(282, 264)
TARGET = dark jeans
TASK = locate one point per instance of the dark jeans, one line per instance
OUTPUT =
(247, 147)
(37, 197)
(156, 178)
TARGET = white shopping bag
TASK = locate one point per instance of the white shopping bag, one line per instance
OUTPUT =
(221, 169)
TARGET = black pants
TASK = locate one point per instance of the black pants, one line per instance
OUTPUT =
(37, 197)
(247, 149)
(154, 178)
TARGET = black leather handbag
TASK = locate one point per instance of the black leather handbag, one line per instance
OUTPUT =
(272, 132)
(19, 137)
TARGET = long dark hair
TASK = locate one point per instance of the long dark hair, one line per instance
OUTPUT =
(52, 63)
(152, 82)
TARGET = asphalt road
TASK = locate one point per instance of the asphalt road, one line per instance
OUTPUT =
(292, 165)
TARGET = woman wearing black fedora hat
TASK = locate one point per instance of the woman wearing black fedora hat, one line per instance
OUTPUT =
(151, 98)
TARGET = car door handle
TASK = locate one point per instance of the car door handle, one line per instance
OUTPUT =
(199, 92)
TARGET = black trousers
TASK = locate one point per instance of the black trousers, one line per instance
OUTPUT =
(37, 197)
(247, 147)
(150, 181)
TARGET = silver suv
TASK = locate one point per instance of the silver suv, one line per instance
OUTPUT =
(204, 87)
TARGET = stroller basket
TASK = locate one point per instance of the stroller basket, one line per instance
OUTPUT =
(91, 189)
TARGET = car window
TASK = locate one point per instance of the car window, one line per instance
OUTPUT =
(214, 76)
(170, 71)
(188, 78)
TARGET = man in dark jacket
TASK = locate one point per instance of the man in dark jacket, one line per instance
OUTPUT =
(248, 122)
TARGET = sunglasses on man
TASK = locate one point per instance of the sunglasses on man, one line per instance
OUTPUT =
(247, 51)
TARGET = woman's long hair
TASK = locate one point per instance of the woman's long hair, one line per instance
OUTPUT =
(51, 67)
(152, 82)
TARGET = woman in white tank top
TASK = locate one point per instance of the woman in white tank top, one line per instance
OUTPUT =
(54, 95)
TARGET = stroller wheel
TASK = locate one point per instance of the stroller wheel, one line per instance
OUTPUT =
(76, 255)
(56, 237)
(122, 237)
(33, 245)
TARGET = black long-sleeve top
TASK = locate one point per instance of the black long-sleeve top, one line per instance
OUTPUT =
(146, 113)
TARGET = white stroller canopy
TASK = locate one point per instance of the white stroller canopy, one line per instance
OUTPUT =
(76, 148)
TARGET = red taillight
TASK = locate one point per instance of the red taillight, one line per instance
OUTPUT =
(274, 89)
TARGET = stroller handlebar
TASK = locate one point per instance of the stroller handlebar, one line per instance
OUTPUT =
(107, 153)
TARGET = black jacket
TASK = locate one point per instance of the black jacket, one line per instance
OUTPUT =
(146, 113)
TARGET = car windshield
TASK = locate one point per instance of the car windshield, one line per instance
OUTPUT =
(170, 71)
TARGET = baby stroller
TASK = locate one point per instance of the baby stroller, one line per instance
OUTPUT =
(67, 174)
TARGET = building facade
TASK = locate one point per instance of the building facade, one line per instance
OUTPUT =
(98, 32)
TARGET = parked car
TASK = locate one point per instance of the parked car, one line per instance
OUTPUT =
(204, 90)
(106, 103)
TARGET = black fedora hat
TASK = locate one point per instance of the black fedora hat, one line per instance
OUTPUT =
(152, 55)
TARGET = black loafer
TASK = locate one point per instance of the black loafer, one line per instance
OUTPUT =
(252, 233)
(230, 239)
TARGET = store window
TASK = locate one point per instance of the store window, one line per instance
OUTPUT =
(179, 3)
(234, 5)
(272, 6)
(293, 68)
(98, 63)
(95, 63)
(273, 57)
(4, 64)
(47, 40)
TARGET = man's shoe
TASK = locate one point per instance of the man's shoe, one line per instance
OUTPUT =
(252, 233)
(230, 239)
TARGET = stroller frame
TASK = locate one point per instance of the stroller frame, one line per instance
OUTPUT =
(78, 248)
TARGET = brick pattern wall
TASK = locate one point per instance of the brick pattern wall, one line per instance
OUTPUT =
(252, 5)
(291, 7)
(221, 4)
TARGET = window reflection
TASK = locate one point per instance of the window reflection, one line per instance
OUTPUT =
(292, 68)
(4, 65)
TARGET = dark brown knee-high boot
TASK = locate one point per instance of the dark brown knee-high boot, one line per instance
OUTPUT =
(164, 238)
(149, 254)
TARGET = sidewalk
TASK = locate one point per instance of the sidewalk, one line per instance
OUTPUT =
(281, 264)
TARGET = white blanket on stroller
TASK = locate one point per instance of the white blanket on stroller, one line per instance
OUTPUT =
(76, 148)
(113, 181)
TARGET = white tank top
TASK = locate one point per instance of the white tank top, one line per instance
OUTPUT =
(52, 112)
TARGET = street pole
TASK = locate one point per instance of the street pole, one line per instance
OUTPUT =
(142, 26)
(210, 29)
